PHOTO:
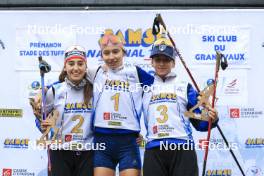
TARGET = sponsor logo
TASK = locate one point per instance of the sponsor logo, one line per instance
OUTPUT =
(218, 172)
(135, 40)
(16, 143)
(34, 88)
(68, 138)
(112, 123)
(17, 113)
(10, 172)
(113, 116)
(107, 115)
(254, 171)
(254, 142)
(7, 172)
(247, 112)
(232, 87)
(77, 107)
(163, 134)
(163, 96)
(232, 84)
(234, 112)
(162, 47)
(35, 85)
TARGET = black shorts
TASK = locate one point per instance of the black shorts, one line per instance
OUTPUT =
(170, 162)
(69, 163)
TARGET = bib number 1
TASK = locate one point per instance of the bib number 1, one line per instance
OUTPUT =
(116, 101)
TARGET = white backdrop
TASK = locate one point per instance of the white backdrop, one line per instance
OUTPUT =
(24, 35)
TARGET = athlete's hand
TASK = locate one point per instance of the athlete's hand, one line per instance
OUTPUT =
(139, 139)
(50, 121)
(36, 105)
(212, 113)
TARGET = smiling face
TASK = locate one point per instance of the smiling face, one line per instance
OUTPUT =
(162, 65)
(75, 69)
(113, 56)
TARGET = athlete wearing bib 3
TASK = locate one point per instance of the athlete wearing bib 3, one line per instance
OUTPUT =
(117, 110)
(164, 106)
(71, 97)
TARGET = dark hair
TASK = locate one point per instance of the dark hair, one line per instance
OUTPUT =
(88, 87)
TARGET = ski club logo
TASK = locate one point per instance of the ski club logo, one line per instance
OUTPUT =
(234, 112)
(107, 115)
(7, 172)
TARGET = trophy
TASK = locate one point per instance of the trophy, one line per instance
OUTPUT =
(40, 113)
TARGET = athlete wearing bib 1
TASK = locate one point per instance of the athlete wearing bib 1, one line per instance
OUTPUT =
(164, 106)
(117, 110)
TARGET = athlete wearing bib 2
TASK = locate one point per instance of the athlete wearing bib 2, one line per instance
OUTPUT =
(71, 97)
(164, 106)
(117, 110)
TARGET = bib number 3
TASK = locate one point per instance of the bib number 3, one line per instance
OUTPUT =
(163, 109)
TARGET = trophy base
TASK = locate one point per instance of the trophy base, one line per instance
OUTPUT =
(203, 116)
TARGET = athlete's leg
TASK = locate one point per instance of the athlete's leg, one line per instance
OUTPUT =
(129, 156)
(84, 163)
(62, 163)
(155, 163)
(130, 172)
(103, 171)
(184, 163)
(105, 161)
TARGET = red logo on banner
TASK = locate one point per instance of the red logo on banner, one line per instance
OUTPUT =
(68, 138)
(7, 172)
(155, 129)
(203, 143)
(234, 112)
(107, 116)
